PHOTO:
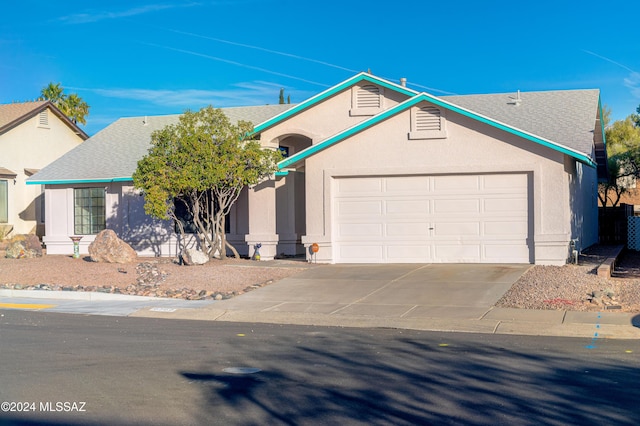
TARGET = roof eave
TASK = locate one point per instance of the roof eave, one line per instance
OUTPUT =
(76, 181)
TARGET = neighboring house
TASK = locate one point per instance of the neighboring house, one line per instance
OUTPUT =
(375, 173)
(32, 135)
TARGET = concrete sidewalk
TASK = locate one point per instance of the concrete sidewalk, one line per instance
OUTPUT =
(422, 297)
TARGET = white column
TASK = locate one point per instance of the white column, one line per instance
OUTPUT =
(262, 220)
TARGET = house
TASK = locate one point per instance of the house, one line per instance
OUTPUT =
(32, 135)
(374, 173)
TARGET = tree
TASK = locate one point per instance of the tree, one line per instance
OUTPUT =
(73, 106)
(202, 162)
(53, 93)
(623, 151)
(636, 117)
(281, 97)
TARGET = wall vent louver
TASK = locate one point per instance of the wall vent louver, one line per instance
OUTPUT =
(368, 97)
(43, 118)
(428, 119)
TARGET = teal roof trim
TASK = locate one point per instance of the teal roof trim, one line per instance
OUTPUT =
(313, 149)
(73, 181)
(330, 92)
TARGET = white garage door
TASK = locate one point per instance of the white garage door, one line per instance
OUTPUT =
(443, 218)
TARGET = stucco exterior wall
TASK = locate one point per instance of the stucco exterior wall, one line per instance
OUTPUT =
(126, 217)
(325, 119)
(31, 146)
(470, 147)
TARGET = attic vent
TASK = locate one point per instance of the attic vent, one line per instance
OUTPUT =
(427, 122)
(368, 97)
(43, 119)
(366, 100)
(428, 119)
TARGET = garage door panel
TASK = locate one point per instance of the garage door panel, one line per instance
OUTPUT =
(408, 253)
(513, 228)
(459, 206)
(346, 208)
(411, 207)
(361, 253)
(456, 229)
(360, 230)
(505, 205)
(517, 182)
(504, 252)
(458, 252)
(408, 230)
(451, 184)
(354, 186)
(444, 218)
(407, 184)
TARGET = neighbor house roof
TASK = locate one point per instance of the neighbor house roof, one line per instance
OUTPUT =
(11, 115)
(561, 120)
(112, 154)
(4, 172)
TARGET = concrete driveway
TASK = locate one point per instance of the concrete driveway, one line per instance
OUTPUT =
(409, 291)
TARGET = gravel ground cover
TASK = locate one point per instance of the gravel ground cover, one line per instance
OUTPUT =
(161, 277)
(577, 287)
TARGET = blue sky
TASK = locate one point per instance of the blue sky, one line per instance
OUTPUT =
(134, 58)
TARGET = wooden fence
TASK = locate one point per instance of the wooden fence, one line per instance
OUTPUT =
(612, 222)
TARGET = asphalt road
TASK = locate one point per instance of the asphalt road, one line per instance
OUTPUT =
(90, 370)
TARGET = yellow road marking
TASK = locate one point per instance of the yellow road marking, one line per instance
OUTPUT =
(24, 306)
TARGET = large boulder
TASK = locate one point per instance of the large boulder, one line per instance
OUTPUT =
(108, 248)
(23, 247)
(194, 256)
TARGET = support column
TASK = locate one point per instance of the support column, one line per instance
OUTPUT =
(262, 220)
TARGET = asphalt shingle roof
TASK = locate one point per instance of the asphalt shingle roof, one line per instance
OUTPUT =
(566, 117)
(9, 113)
(113, 153)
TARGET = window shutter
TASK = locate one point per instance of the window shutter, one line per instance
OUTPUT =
(368, 97)
(428, 119)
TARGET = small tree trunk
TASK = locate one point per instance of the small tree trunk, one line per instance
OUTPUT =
(223, 237)
(233, 249)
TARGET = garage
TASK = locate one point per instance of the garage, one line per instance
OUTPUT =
(476, 218)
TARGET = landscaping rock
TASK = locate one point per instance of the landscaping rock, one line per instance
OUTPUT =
(24, 247)
(107, 247)
(194, 257)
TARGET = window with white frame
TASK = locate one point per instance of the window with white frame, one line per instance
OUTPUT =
(89, 211)
(366, 100)
(427, 122)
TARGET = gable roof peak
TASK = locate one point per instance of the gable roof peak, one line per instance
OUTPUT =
(350, 82)
(11, 115)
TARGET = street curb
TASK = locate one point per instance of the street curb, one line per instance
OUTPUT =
(587, 329)
(511, 321)
(75, 295)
